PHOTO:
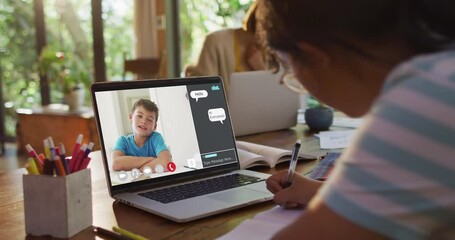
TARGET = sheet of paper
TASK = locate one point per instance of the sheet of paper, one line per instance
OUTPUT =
(264, 225)
(347, 122)
(335, 139)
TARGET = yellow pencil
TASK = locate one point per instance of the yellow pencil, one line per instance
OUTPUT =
(47, 150)
(128, 233)
(31, 166)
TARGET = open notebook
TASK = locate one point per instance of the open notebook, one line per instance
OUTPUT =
(204, 177)
(264, 225)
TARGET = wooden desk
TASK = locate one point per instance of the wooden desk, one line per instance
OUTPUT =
(56, 121)
(107, 213)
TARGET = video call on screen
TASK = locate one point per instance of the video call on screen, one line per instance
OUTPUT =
(201, 107)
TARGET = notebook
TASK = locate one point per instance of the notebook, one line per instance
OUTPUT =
(259, 103)
(195, 124)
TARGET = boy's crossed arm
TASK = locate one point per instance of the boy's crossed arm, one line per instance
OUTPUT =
(126, 163)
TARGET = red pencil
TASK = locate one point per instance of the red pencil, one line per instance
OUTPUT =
(75, 152)
(85, 163)
(76, 163)
(84, 160)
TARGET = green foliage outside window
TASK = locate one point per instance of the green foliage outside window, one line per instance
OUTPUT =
(69, 31)
(17, 58)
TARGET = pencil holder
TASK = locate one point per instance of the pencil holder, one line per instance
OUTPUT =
(57, 206)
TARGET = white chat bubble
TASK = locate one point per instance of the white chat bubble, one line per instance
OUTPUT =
(217, 114)
(199, 94)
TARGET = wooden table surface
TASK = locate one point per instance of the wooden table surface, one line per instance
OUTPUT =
(108, 213)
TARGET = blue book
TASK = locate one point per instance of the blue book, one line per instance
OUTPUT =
(324, 167)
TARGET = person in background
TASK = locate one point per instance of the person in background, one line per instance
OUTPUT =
(145, 146)
(229, 50)
(392, 62)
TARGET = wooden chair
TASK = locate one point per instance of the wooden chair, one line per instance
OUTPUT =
(145, 68)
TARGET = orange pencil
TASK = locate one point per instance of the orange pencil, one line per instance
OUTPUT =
(59, 166)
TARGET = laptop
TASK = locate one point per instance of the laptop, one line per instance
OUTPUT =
(259, 103)
(195, 123)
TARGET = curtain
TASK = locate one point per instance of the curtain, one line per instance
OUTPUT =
(145, 29)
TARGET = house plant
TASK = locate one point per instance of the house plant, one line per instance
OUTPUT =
(66, 73)
(318, 116)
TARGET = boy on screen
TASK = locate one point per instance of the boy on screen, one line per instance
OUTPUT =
(144, 147)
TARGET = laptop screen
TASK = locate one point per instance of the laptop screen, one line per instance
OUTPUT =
(245, 98)
(192, 128)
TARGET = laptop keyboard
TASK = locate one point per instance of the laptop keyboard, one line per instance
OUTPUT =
(194, 189)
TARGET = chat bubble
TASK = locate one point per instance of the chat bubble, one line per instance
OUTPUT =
(199, 94)
(217, 114)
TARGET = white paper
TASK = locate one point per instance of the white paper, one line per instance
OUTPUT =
(335, 139)
(347, 122)
(264, 225)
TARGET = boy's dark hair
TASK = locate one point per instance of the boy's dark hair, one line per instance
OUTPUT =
(148, 105)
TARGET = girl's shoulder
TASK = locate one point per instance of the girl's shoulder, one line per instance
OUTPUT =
(438, 67)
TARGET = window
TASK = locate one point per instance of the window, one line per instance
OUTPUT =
(197, 18)
(68, 30)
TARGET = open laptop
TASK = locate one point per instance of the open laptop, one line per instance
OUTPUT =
(259, 103)
(194, 121)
